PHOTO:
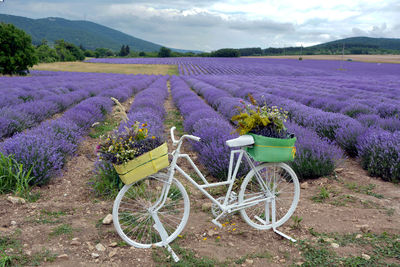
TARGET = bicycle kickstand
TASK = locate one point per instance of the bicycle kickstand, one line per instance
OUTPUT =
(164, 236)
(274, 221)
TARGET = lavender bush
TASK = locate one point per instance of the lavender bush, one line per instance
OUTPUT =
(379, 152)
(204, 122)
(46, 95)
(148, 108)
(46, 147)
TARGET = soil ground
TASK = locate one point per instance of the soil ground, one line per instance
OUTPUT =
(361, 58)
(63, 227)
(109, 68)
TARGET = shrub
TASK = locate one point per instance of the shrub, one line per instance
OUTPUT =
(13, 176)
(390, 124)
(346, 136)
(39, 152)
(379, 152)
(369, 120)
(315, 157)
(106, 182)
(356, 109)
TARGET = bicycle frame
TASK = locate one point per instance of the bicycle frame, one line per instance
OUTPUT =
(232, 172)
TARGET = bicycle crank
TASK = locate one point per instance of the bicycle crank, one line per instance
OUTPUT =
(216, 211)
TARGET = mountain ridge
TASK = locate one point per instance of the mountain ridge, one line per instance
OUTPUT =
(383, 43)
(89, 34)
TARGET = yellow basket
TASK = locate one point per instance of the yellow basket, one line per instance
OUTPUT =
(144, 165)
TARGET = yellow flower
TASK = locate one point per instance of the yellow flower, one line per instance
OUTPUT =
(153, 137)
(234, 229)
(180, 236)
(218, 237)
(140, 130)
(205, 238)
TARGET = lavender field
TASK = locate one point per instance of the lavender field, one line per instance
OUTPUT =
(337, 109)
(345, 115)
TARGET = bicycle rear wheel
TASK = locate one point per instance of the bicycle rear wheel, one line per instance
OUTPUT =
(282, 183)
(131, 211)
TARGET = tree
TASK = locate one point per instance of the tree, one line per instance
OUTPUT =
(164, 52)
(226, 52)
(142, 54)
(127, 50)
(89, 53)
(103, 52)
(46, 54)
(63, 52)
(122, 51)
(17, 53)
(68, 51)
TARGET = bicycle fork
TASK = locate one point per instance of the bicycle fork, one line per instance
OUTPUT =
(164, 235)
(157, 222)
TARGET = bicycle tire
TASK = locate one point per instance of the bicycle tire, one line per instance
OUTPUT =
(278, 177)
(130, 211)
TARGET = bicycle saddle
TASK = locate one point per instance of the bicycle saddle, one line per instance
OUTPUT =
(243, 140)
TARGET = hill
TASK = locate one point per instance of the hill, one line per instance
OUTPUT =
(380, 43)
(88, 34)
(353, 45)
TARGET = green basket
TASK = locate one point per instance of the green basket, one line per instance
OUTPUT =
(267, 149)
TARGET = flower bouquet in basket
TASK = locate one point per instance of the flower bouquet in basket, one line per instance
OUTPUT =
(272, 141)
(134, 153)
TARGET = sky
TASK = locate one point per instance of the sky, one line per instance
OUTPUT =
(209, 25)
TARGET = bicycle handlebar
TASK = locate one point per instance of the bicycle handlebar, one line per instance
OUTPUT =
(174, 141)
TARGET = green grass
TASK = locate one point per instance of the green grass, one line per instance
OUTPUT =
(187, 258)
(384, 249)
(343, 200)
(174, 118)
(363, 189)
(63, 229)
(104, 127)
(11, 254)
(48, 217)
(296, 222)
(14, 179)
(321, 196)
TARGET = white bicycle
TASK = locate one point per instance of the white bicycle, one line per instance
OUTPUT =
(155, 210)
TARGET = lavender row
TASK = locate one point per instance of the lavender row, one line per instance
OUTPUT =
(387, 119)
(378, 149)
(148, 107)
(46, 147)
(336, 127)
(315, 157)
(379, 152)
(203, 121)
(76, 87)
(265, 66)
(371, 109)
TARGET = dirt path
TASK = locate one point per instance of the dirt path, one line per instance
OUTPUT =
(65, 225)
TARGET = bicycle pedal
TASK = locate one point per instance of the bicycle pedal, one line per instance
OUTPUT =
(217, 223)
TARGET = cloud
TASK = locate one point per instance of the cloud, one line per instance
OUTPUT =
(213, 24)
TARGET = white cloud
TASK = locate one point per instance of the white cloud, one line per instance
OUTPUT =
(210, 25)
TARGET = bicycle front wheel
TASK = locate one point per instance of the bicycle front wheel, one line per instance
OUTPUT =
(132, 211)
(273, 179)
